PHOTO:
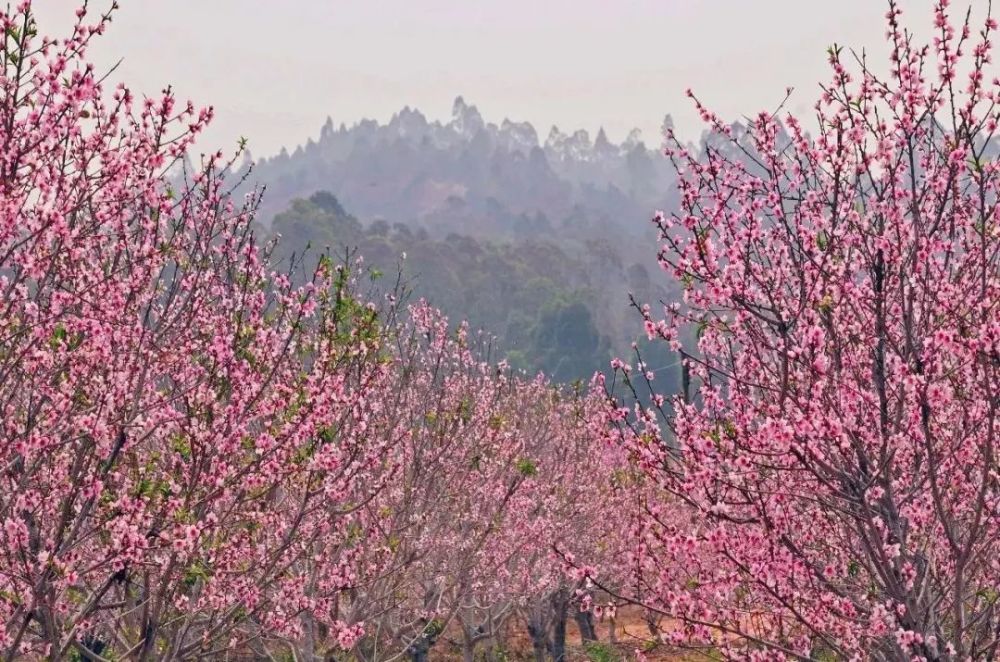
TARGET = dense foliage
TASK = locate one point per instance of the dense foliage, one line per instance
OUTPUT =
(543, 303)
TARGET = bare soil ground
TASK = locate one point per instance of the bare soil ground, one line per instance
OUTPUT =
(631, 634)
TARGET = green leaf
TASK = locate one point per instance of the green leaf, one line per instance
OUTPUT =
(182, 447)
(527, 467)
(58, 336)
(328, 435)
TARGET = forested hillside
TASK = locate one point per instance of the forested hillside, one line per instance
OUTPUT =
(474, 177)
(538, 242)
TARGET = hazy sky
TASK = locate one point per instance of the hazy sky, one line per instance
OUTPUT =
(275, 70)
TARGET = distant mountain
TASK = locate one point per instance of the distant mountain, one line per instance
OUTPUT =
(475, 177)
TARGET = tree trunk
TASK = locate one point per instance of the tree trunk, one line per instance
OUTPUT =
(419, 650)
(498, 649)
(539, 636)
(92, 645)
(560, 604)
(468, 647)
(585, 621)
(307, 645)
(364, 651)
(652, 623)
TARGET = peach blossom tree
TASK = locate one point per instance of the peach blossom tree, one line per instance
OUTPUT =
(830, 488)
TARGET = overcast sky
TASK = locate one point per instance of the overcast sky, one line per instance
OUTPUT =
(276, 70)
